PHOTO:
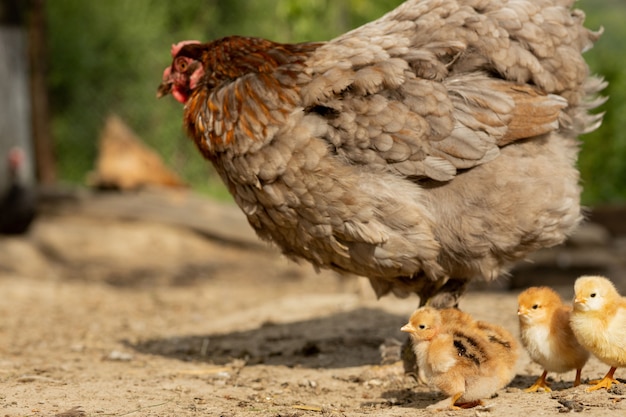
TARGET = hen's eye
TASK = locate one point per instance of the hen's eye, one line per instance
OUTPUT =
(181, 64)
(592, 295)
(535, 307)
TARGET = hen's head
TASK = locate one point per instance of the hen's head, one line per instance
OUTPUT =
(16, 158)
(185, 73)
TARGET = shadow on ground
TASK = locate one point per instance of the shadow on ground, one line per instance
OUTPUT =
(340, 340)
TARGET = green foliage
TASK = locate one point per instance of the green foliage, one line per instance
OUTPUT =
(108, 56)
(603, 157)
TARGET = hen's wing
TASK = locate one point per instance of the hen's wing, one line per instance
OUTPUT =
(437, 86)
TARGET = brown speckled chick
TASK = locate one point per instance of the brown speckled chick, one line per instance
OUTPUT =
(467, 360)
(545, 331)
(599, 323)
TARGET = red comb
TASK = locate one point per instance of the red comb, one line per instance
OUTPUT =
(176, 47)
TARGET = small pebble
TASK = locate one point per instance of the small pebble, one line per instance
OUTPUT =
(116, 355)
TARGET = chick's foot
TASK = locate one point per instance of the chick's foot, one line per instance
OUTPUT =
(540, 383)
(605, 382)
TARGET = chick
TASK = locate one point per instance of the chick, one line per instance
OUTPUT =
(599, 324)
(466, 360)
(547, 336)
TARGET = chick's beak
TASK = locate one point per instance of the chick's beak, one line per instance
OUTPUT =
(580, 300)
(407, 328)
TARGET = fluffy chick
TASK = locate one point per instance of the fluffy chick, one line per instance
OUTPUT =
(466, 360)
(599, 324)
(547, 336)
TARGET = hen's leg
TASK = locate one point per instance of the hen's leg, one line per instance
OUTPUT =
(447, 295)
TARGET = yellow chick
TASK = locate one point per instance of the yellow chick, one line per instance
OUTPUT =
(466, 360)
(547, 336)
(599, 323)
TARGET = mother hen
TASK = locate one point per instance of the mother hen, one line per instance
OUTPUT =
(433, 146)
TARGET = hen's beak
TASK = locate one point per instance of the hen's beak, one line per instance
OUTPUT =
(166, 85)
(164, 89)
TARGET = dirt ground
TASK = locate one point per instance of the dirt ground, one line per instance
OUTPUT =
(121, 317)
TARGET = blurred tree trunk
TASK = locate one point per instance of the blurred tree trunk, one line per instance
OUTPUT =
(15, 127)
(24, 119)
(38, 57)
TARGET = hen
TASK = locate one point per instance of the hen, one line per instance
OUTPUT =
(430, 147)
(18, 204)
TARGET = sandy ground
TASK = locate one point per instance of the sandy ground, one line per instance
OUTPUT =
(115, 318)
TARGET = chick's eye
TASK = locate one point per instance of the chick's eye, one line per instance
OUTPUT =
(422, 326)
(592, 295)
(535, 306)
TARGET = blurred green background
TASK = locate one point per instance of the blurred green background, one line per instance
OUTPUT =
(108, 56)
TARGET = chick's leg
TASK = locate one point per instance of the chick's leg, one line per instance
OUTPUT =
(453, 403)
(447, 404)
(540, 383)
(454, 399)
(577, 380)
(605, 382)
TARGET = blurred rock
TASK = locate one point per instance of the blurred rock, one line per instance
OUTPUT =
(122, 252)
(589, 235)
(612, 217)
(598, 247)
(150, 237)
(18, 256)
